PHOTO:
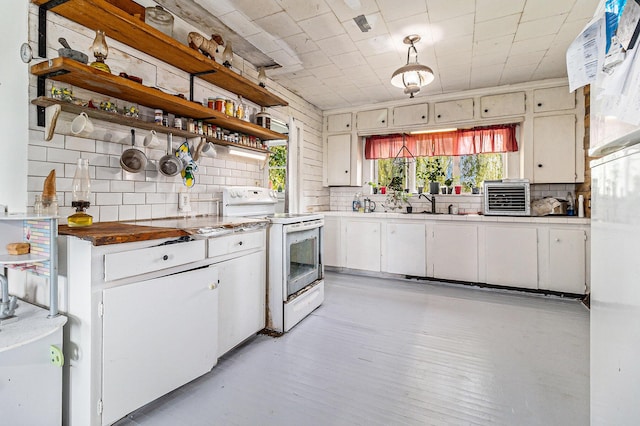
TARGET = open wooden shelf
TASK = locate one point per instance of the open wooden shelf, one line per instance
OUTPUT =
(133, 122)
(119, 25)
(77, 74)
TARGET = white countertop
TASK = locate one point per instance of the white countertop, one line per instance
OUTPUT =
(32, 324)
(464, 217)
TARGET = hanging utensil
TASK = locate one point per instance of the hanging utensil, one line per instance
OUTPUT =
(169, 164)
(133, 160)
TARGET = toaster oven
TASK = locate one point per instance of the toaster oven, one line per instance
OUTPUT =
(507, 197)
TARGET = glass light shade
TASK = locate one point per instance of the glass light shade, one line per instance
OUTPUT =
(262, 77)
(99, 47)
(227, 55)
(81, 184)
(412, 75)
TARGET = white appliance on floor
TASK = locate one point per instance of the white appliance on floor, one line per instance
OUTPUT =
(615, 235)
(295, 284)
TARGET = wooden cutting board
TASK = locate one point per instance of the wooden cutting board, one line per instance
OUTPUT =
(104, 233)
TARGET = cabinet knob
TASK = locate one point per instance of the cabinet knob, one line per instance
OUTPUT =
(346, 171)
(240, 243)
(348, 125)
(539, 104)
(213, 286)
(486, 110)
(383, 121)
(439, 116)
(165, 257)
(540, 165)
(424, 116)
(557, 240)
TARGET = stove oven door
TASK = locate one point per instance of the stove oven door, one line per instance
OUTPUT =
(302, 257)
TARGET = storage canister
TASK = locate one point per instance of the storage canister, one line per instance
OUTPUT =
(229, 107)
(159, 19)
(158, 116)
(219, 104)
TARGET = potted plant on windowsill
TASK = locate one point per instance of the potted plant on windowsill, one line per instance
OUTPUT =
(434, 172)
(374, 187)
(448, 184)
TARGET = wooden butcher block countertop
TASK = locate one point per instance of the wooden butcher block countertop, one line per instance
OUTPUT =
(103, 233)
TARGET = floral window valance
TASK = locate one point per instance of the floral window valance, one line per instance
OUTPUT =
(478, 140)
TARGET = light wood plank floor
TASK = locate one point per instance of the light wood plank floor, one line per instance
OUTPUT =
(395, 352)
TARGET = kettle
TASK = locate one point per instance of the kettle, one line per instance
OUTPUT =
(369, 206)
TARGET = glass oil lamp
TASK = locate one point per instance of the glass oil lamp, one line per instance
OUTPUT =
(100, 51)
(227, 55)
(262, 77)
(81, 190)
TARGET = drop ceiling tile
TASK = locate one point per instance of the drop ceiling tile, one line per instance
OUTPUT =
(314, 59)
(327, 71)
(340, 81)
(489, 60)
(349, 9)
(583, 10)
(284, 58)
(496, 27)
(337, 45)
(453, 59)
(488, 10)
(279, 24)
(300, 10)
(391, 12)
(249, 8)
(498, 45)
(569, 31)
(418, 24)
(535, 10)
(386, 60)
(299, 43)
(551, 67)
(532, 45)
(454, 27)
(441, 10)
(512, 75)
(539, 27)
(378, 28)
(376, 45)
(348, 60)
(217, 7)
(485, 76)
(322, 26)
(264, 41)
(450, 45)
(530, 58)
(240, 23)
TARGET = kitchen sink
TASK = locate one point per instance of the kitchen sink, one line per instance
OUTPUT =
(423, 212)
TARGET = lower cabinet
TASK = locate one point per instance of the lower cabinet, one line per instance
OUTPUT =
(565, 258)
(362, 244)
(405, 250)
(511, 256)
(454, 252)
(150, 346)
(331, 242)
(242, 289)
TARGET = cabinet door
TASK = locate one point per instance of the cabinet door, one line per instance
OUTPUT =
(405, 249)
(554, 149)
(157, 335)
(376, 119)
(242, 288)
(362, 244)
(553, 99)
(447, 112)
(567, 261)
(455, 253)
(511, 256)
(331, 245)
(339, 160)
(339, 122)
(501, 105)
(411, 115)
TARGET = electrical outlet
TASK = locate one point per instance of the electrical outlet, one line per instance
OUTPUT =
(184, 201)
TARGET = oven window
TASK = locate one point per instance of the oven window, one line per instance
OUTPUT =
(303, 260)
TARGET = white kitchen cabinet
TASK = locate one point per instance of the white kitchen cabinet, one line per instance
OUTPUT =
(511, 256)
(553, 99)
(157, 335)
(339, 122)
(502, 105)
(361, 244)
(343, 160)
(411, 115)
(566, 255)
(554, 149)
(332, 246)
(405, 249)
(375, 119)
(454, 252)
(452, 111)
(242, 287)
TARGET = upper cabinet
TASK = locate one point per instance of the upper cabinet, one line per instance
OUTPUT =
(127, 29)
(451, 111)
(339, 123)
(554, 149)
(411, 115)
(376, 119)
(502, 105)
(553, 99)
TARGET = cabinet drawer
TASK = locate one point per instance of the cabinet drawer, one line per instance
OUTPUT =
(135, 262)
(553, 99)
(235, 243)
(410, 115)
(339, 122)
(376, 119)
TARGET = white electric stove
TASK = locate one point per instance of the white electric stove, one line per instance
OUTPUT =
(295, 269)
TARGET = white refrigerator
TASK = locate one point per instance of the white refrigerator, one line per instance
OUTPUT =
(615, 240)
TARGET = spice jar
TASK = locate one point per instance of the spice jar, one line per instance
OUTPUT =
(229, 107)
(219, 104)
(177, 123)
(210, 103)
(158, 117)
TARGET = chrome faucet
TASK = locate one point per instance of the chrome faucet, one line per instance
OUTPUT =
(7, 304)
(432, 199)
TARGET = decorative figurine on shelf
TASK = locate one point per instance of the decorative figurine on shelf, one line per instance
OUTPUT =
(206, 47)
(100, 51)
(227, 55)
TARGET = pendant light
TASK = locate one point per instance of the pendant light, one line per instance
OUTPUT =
(412, 76)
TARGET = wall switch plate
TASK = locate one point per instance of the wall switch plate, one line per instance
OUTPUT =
(184, 201)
